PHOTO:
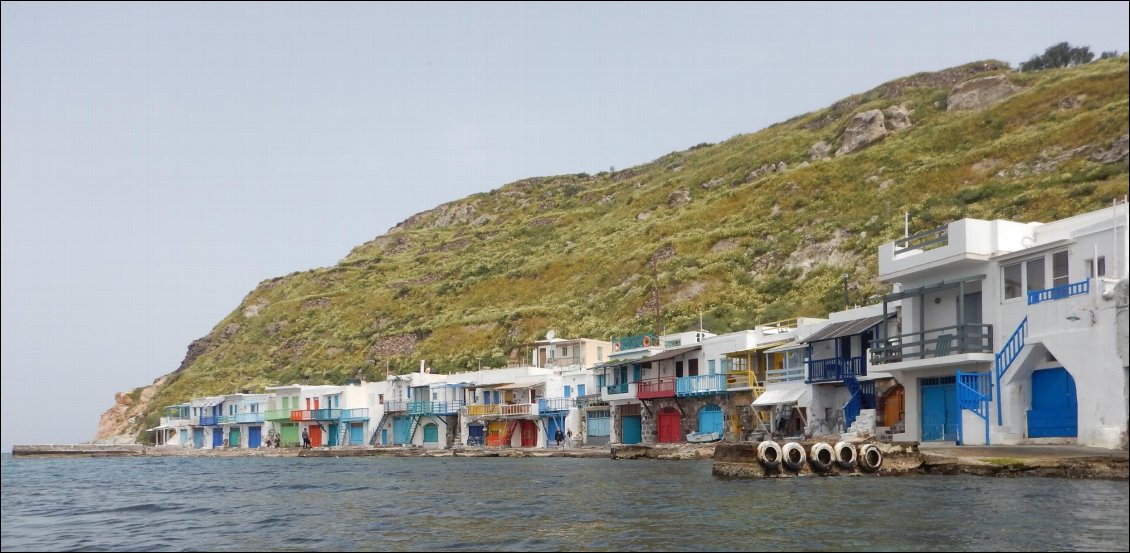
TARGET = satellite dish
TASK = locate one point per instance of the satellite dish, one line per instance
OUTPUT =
(550, 335)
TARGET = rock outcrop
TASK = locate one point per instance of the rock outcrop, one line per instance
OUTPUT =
(980, 93)
(864, 128)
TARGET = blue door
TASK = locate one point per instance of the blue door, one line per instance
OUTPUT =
(710, 419)
(939, 409)
(551, 430)
(254, 436)
(217, 437)
(334, 433)
(384, 436)
(633, 430)
(401, 426)
(198, 438)
(431, 433)
(357, 433)
(1055, 406)
(476, 434)
(183, 437)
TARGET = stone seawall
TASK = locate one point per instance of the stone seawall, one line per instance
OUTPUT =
(740, 461)
(85, 450)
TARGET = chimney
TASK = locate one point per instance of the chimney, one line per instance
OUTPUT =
(421, 366)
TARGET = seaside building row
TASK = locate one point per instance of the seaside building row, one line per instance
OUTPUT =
(995, 332)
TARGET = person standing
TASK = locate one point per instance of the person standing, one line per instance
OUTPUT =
(305, 438)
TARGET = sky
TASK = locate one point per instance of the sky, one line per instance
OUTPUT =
(160, 160)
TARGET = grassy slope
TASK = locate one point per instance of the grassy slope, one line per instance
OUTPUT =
(568, 252)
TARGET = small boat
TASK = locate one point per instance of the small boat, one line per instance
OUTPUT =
(704, 437)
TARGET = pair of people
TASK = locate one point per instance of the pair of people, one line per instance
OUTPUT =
(305, 439)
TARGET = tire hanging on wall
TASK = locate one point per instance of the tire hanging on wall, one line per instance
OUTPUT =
(870, 458)
(845, 455)
(822, 457)
(769, 454)
(793, 456)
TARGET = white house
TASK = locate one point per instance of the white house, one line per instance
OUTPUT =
(1009, 330)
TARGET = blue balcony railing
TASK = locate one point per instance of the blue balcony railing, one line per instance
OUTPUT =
(835, 369)
(702, 384)
(248, 418)
(209, 421)
(546, 405)
(355, 414)
(621, 388)
(1059, 292)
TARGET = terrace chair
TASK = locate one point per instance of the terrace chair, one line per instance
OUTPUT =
(943, 347)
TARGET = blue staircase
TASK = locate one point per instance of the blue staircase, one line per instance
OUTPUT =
(974, 391)
(376, 438)
(1011, 350)
(855, 404)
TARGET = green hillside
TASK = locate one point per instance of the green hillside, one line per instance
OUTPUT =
(748, 230)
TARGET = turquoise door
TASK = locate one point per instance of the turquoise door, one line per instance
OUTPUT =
(1055, 405)
(431, 433)
(234, 437)
(384, 436)
(633, 430)
(198, 438)
(939, 410)
(710, 419)
(356, 433)
(401, 426)
(334, 433)
(254, 436)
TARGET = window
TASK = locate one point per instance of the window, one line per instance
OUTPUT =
(1034, 270)
(409, 393)
(564, 351)
(678, 369)
(568, 391)
(600, 353)
(692, 367)
(435, 396)
(254, 407)
(380, 399)
(710, 366)
(1094, 269)
(1013, 287)
(1059, 269)
(580, 389)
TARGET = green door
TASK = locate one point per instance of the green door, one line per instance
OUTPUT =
(289, 434)
(431, 433)
(334, 429)
(233, 437)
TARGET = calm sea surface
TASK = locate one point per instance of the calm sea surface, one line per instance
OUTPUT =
(180, 504)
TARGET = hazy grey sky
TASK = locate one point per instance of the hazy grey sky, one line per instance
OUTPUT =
(159, 160)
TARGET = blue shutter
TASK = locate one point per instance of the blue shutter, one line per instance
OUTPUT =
(568, 391)
(580, 389)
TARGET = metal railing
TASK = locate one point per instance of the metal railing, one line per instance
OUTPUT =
(925, 241)
(1059, 292)
(227, 419)
(1004, 358)
(621, 388)
(702, 384)
(835, 368)
(656, 387)
(778, 327)
(355, 414)
(396, 405)
(248, 418)
(434, 407)
(936, 342)
(315, 414)
(209, 421)
(550, 404)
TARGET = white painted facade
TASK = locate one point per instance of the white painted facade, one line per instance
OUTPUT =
(1001, 263)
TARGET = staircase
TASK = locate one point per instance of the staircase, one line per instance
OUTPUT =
(1008, 353)
(854, 403)
(974, 391)
(508, 434)
(343, 434)
(376, 439)
(415, 425)
(864, 424)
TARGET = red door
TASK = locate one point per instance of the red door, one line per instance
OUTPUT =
(669, 426)
(529, 434)
(315, 436)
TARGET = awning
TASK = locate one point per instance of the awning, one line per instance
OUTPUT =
(210, 402)
(669, 354)
(785, 347)
(522, 385)
(780, 395)
(845, 328)
(758, 348)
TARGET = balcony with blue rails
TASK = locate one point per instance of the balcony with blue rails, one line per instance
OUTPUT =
(1059, 292)
(554, 404)
(327, 414)
(210, 420)
(621, 388)
(701, 385)
(425, 408)
(248, 418)
(351, 415)
(835, 369)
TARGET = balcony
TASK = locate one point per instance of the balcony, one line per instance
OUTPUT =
(227, 419)
(656, 388)
(623, 390)
(701, 385)
(278, 415)
(423, 408)
(835, 369)
(1059, 292)
(563, 362)
(396, 406)
(248, 418)
(519, 410)
(209, 421)
(787, 374)
(315, 415)
(549, 405)
(348, 415)
(935, 343)
(484, 410)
